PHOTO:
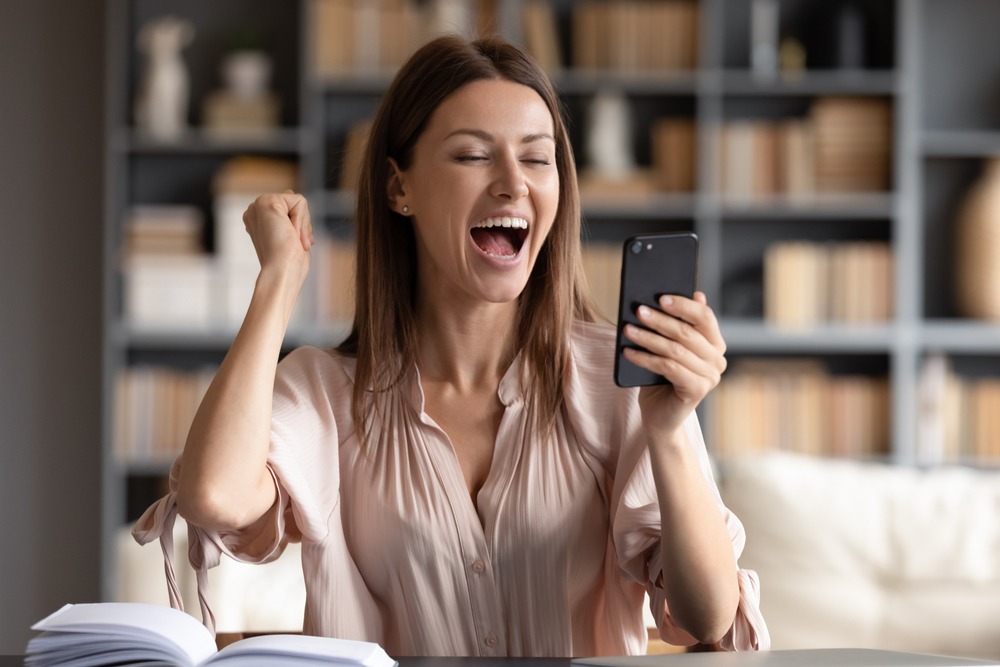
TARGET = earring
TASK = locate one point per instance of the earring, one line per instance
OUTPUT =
(406, 209)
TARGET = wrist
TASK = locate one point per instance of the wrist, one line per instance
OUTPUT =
(280, 288)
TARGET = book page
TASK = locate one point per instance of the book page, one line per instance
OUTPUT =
(288, 649)
(180, 634)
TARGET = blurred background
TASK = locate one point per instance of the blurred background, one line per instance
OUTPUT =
(837, 160)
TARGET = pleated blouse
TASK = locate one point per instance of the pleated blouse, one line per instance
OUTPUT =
(552, 558)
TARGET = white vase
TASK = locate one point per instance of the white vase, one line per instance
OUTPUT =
(161, 106)
(977, 246)
(609, 131)
(247, 73)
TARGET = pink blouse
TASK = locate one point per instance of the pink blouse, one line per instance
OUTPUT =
(552, 559)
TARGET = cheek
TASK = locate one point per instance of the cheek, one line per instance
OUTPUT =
(547, 198)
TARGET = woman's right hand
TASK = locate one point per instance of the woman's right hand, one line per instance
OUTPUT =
(281, 230)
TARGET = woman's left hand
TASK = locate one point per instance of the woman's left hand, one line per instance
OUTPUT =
(683, 343)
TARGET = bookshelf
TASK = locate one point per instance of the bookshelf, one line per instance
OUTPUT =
(923, 72)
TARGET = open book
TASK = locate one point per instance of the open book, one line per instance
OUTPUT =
(111, 633)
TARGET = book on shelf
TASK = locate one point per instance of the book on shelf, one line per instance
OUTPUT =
(353, 36)
(808, 283)
(168, 292)
(853, 143)
(602, 264)
(364, 37)
(795, 284)
(797, 405)
(229, 115)
(843, 145)
(164, 229)
(958, 420)
(334, 265)
(154, 408)
(635, 36)
(247, 174)
(115, 633)
(541, 35)
(674, 154)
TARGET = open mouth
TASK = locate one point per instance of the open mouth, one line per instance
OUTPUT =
(500, 237)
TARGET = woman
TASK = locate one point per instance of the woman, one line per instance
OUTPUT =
(463, 474)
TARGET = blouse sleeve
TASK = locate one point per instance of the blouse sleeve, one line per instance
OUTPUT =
(636, 532)
(301, 435)
(610, 422)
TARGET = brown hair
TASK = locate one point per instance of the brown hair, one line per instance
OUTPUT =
(384, 335)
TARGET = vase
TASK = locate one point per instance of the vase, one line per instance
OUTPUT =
(247, 74)
(977, 248)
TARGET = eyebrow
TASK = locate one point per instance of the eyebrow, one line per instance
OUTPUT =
(486, 136)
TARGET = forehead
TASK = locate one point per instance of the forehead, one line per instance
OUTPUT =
(494, 105)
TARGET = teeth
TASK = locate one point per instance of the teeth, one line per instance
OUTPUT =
(516, 223)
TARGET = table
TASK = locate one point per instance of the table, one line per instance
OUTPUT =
(797, 658)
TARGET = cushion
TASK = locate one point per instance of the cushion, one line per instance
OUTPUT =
(871, 555)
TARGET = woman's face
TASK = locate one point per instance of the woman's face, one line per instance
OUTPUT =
(482, 191)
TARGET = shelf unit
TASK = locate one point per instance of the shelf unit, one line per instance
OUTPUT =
(932, 60)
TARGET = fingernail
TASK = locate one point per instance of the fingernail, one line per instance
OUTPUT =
(643, 311)
(666, 300)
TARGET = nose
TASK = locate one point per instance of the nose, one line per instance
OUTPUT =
(509, 181)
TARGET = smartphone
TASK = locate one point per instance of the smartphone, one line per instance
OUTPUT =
(652, 265)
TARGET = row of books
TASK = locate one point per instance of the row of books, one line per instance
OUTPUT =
(958, 416)
(360, 36)
(628, 36)
(167, 229)
(843, 145)
(154, 408)
(808, 283)
(796, 405)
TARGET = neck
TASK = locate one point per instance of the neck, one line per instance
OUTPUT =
(470, 348)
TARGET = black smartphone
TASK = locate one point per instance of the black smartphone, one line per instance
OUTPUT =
(652, 265)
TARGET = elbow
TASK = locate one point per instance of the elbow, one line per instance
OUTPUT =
(709, 624)
(205, 506)
(711, 631)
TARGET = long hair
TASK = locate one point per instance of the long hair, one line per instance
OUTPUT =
(384, 335)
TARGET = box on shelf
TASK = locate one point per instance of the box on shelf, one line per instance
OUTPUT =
(168, 292)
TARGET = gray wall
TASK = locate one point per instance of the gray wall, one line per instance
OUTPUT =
(51, 89)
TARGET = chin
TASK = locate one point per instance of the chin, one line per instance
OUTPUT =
(504, 293)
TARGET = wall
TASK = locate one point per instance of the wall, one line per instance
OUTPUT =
(51, 82)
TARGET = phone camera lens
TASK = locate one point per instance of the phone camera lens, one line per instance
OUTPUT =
(636, 247)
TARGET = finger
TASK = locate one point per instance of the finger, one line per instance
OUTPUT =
(690, 384)
(673, 328)
(298, 213)
(696, 312)
(704, 360)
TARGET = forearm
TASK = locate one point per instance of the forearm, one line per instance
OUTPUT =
(224, 483)
(698, 566)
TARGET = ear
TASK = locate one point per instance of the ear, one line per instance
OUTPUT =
(395, 188)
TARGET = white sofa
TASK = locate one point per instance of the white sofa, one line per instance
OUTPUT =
(871, 555)
(849, 555)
